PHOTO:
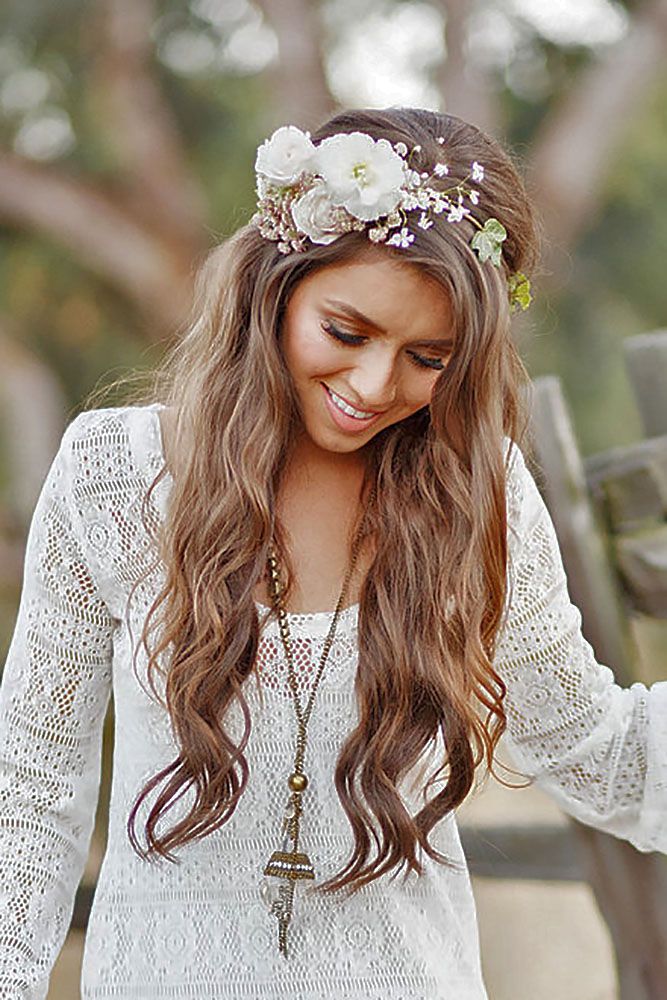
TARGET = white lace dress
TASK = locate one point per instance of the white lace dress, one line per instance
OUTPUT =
(199, 930)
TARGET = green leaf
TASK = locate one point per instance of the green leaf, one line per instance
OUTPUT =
(519, 289)
(488, 241)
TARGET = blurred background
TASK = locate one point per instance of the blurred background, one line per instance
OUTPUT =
(128, 131)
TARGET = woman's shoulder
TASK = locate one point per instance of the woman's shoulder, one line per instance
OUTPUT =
(523, 499)
(108, 439)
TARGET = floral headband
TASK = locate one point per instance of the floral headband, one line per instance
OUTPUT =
(349, 180)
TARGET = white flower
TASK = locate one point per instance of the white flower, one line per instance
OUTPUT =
(285, 156)
(474, 197)
(364, 176)
(401, 149)
(378, 234)
(315, 215)
(402, 239)
(477, 171)
(457, 213)
(441, 169)
(441, 140)
(424, 223)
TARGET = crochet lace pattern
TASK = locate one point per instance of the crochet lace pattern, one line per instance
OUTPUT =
(199, 930)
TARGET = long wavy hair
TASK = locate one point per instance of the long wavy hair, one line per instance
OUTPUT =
(433, 599)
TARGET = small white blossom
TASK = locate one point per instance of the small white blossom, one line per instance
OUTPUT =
(424, 223)
(440, 140)
(477, 171)
(416, 149)
(457, 213)
(441, 170)
(474, 197)
(402, 239)
(378, 234)
(285, 156)
(401, 149)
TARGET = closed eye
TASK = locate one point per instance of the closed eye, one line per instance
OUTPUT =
(344, 338)
(353, 340)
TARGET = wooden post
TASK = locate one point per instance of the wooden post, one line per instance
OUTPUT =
(646, 364)
(590, 583)
(630, 887)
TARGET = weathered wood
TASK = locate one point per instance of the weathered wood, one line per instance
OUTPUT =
(634, 905)
(543, 852)
(646, 363)
(629, 484)
(590, 583)
(642, 561)
(629, 886)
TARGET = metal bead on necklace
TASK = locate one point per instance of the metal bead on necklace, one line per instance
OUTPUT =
(290, 863)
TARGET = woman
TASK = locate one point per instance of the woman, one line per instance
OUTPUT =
(321, 581)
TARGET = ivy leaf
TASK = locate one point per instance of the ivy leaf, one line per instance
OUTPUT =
(488, 241)
(519, 289)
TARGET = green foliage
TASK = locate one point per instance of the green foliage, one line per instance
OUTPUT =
(519, 289)
(488, 241)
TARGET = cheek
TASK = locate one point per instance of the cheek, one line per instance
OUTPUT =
(418, 389)
(306, 352)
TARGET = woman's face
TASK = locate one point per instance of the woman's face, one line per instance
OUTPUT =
(364, 342)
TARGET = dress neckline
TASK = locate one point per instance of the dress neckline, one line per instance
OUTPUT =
(349, 612)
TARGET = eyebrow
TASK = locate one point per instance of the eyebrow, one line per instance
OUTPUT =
(348, 310)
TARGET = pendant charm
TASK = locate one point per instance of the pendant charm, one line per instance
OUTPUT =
(289, 864)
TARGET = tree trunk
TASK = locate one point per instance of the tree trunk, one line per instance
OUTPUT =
(34, 413)
(465, 90)
(300, 92)
(572, 151)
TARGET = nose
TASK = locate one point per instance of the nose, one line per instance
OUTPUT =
(373, 380)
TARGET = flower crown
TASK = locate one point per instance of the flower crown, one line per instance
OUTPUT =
(349, 180)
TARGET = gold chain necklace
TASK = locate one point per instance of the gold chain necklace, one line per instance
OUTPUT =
(289, 863)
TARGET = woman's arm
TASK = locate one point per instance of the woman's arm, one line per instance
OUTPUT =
(600, 750)
(54, 694)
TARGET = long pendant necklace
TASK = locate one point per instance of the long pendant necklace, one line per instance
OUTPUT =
(290, 863)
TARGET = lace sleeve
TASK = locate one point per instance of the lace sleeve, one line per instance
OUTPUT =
(55, 689)
(598, 749)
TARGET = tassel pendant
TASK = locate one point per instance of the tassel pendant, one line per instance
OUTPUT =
(288, 864)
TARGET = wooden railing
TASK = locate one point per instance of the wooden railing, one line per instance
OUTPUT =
(610, 514)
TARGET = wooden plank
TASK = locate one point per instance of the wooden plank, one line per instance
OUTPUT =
(629, 484)
(543, 852)
(591, 584)
(630, 887)
(646, 364)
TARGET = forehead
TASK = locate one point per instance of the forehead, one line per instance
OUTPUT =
(397, 297)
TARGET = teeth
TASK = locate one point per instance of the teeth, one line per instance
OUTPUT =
(346, 408)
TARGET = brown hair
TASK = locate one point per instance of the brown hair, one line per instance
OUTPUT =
(433, 599)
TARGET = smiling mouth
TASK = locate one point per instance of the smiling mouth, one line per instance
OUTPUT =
(347, 408)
